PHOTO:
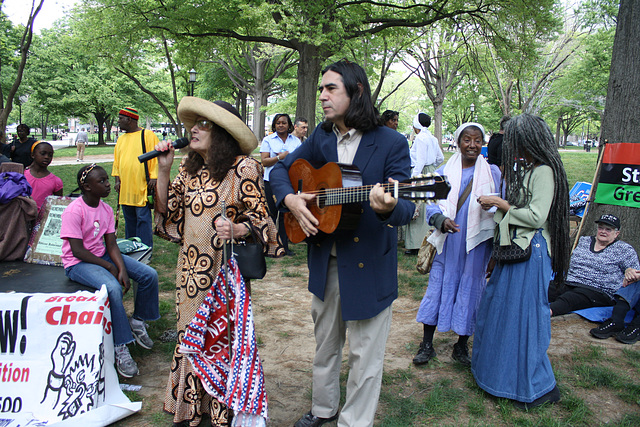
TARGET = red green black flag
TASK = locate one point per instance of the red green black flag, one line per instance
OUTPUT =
(620, 175)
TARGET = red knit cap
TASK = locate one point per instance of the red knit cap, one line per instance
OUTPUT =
(130, 112)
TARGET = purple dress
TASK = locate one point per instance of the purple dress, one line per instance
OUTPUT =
(457, 279)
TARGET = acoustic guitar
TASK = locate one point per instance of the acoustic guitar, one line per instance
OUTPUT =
(339, 191)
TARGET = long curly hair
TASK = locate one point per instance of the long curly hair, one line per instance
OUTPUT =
(220, 157)
(528, 141)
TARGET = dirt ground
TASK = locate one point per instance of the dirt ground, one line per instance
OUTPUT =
(285, 333)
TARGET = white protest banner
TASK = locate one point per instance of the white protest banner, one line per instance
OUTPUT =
(56, 361)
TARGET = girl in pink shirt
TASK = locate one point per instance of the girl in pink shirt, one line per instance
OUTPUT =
(43, 182)
(91, 256)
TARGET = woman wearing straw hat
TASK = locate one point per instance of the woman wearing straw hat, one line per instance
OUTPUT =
(217, 169)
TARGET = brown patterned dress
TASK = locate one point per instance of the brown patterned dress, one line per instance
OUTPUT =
(194, 203)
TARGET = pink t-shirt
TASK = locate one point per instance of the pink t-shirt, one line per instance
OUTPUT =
(81, 221)
(43, 187)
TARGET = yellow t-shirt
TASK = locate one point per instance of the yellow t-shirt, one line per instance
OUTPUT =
(133, 182)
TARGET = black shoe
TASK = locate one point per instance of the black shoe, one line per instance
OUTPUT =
(607, 329)
(461, 354)
(629, 335)
(310, 420)
(411, 252)
(552, 397)
(425, 353)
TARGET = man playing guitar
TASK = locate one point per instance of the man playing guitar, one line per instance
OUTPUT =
(352, 273)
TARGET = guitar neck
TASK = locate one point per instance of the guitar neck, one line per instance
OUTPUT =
(346, 195)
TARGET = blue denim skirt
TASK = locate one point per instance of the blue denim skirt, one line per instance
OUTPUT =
(513, 329)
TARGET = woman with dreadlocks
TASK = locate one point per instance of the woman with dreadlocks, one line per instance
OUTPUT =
(513, 327)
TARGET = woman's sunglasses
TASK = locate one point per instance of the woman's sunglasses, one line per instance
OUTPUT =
(204, 124)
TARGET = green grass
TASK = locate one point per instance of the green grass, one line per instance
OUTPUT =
(589, 376)
(579, 166)
(590, 353)
(90, 150)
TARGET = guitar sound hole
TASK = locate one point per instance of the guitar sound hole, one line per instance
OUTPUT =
(321, 197)
(321, 200)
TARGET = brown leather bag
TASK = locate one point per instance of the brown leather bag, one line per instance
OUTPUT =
(427, 251)
(426, 254)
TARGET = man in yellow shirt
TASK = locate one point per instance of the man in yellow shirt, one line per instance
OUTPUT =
(132, 182)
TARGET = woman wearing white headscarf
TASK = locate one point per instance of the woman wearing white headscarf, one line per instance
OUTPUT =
(463, 239)
(426, 156)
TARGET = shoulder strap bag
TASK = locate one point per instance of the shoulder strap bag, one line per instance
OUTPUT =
(510, 254)
(150, 201)
(427, 251)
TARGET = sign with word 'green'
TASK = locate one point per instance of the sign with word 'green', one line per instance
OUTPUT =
(620, 176)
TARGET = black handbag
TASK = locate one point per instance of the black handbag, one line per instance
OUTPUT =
(250, 257)
(510, 254)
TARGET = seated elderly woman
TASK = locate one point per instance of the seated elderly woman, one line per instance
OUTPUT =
(600, 265)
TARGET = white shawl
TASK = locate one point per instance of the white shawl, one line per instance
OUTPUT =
(480, 224)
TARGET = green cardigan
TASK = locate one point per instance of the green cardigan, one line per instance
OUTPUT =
(528, 219)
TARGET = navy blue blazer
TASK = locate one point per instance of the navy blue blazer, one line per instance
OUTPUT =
(367, 256)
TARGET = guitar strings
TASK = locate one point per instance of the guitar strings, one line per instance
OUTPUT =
(363, 188)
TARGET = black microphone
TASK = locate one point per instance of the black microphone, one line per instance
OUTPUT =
(177, 144)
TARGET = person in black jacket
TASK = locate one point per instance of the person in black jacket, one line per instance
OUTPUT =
(20, 150)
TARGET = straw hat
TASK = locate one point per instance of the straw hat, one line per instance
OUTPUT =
(190, 108)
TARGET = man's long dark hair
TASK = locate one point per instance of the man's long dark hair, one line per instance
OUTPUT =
(530, 136)
(222, 152)
(361, 114)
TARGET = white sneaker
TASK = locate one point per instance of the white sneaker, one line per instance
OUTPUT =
(125, 365)
(139, 332)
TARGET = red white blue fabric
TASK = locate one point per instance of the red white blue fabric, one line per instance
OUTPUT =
(240, 383)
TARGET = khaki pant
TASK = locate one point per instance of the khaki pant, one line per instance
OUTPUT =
(367, 339)
(80, 146)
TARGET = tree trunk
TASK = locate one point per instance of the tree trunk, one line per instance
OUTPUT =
(259, 100)
(6, 105)
(437, 121)
(621, 122)
(309, 69)
(45, 120)
(241, 104)
(100, 120)
(109, 124)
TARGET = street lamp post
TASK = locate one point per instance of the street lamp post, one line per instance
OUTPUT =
(192, 80)
(21, 100)
(472, 107)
